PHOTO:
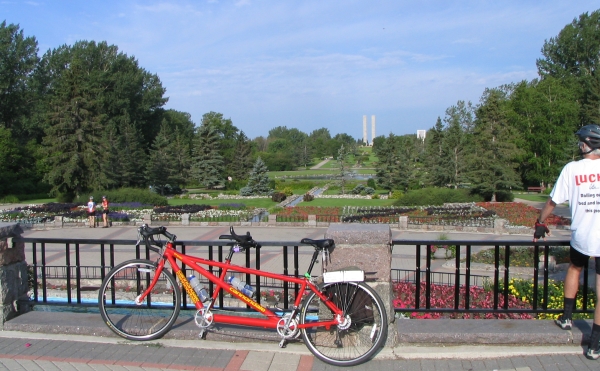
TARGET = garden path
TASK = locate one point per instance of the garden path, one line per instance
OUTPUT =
(318, 166)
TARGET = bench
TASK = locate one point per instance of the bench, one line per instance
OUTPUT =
(535, 189)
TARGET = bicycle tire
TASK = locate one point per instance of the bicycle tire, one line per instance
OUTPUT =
(152, 318)
(356, 344)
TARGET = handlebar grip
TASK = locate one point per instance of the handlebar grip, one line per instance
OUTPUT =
(225, 237)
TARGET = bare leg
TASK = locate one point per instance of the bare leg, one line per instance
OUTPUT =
(597, 309)
(572, 281)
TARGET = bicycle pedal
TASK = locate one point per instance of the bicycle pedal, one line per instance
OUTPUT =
(283, 343)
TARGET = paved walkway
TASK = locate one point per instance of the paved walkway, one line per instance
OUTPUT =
(28, 351)
(318, 166)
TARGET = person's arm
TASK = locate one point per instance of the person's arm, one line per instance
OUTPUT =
(546, 210)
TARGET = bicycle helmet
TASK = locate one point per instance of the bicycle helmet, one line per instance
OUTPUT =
(590, 135)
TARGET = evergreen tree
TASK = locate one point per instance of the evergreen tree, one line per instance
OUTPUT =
(158, 169)
(132, 158)
(342, 159)
(492, 163)
(392, 168)
(73, 137)
(207, 167)
(242, 166)
(433, 154)
(258, 182)
(459, 123)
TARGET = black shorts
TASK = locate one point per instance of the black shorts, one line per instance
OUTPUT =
(579, 259)
(93, 213)
(105, 211)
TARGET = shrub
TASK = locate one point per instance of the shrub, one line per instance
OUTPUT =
(278, 196)
(436, 196)
(375, 197)
(396, 195)
(288, 191)
(245, 191)
(371, 183)
(10, 199)
(143, 196)
(358, 189)
(308, 197)
(504, 196)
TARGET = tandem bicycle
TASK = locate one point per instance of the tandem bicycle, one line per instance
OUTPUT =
(341, 320)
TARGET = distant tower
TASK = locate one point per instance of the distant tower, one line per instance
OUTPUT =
(421, 134)
(365, 129)
(372, 129)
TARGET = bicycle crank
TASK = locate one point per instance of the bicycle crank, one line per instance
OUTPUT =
(203, 318)
(287, 327)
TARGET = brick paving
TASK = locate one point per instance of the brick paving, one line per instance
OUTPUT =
(23, 353)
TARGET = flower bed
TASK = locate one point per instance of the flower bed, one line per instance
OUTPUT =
(519, 214)
(442, 297)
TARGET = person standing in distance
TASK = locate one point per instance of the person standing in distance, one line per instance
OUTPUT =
(91, 210)
(579, 183)
(105, 211)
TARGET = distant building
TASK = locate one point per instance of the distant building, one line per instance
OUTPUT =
(421, 134)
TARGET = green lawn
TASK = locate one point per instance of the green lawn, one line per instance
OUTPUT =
(532, 197)
(340, 202)
(251, 202)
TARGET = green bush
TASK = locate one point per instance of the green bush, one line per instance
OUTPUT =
(371, 183)
(436, 196)
(396, 195)
(144, 196)
(288, 191)
(278, 197)
(10, 199)
(504, 196)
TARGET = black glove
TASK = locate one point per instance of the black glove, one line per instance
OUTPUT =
(540, 229)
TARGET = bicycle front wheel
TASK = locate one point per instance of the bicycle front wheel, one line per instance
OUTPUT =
(362, 333)
(149, 319)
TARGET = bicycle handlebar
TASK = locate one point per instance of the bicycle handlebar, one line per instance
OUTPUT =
(148, 235)
(244, 240)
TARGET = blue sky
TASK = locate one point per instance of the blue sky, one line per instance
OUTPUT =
(312, 64)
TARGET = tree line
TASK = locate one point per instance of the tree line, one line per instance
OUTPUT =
(517, 135)
(87, 117)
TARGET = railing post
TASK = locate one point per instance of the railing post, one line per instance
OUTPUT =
(185, 219)
(403, 222)
(499, 226)
(368, 247)
(272, 219)
(312, 220)
(58, 221)
(13, 272)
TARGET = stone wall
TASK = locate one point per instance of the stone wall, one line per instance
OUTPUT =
(13, 272)
(368, 247)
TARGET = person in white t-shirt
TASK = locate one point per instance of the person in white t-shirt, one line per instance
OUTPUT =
(579, 183)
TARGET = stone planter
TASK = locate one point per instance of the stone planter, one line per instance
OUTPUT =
(441, 253)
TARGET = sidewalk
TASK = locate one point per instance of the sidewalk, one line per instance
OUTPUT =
(80, 341)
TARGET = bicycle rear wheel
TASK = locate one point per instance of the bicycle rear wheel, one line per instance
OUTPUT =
(146, 321)
(354, 341)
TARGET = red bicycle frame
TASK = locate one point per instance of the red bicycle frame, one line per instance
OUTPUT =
(271, 320)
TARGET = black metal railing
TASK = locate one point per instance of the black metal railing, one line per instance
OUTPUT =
(502, 272)
(74, 276)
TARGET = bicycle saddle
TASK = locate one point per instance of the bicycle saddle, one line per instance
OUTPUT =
(321, 244)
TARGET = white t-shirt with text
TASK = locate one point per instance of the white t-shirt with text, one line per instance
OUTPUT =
(579, 183)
